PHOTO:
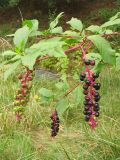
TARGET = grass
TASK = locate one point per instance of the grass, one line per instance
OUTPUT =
(5, 30)
(30, 140)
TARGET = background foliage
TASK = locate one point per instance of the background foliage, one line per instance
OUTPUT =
(51, 3)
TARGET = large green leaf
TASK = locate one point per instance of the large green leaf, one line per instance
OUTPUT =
(21, 37)
(115, 17)
(107, 53)
(71, 33)
(52, 47)
(62, 106)
(36, 33)
(111, 23)
(13, 59)
(76, 24)
(57, 30)
(9, 53)
(93, 28)
(46, 93)
(94, 56)
(54, 23)
(98, 67)
(33, 26)
(29, 59)
(97, 57)
(11, 68)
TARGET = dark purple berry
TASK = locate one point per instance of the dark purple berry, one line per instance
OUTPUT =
(95, 75)
(87, 98)
(87, 62)
(96, 105)
(85, 87)
(97, 86)
(82, 76)
(85, 112)
(97, 114)
(88, 82)
(85, 92)
(93, 79)
(96, 94)
(97, 99)
(92, 62)
(87, 118)
(57, 129)
(85, 103)
(89, 112)
(96, 109)
(86, 108)
(90, 103)
(82, 79)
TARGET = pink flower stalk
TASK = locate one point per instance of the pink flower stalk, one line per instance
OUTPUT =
(22, 96)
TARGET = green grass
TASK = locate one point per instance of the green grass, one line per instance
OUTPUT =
(30, 140)
(5, 30)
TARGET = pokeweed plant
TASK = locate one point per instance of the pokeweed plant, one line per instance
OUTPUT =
(89, 44)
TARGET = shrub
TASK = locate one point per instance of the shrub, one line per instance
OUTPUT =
(7, 3)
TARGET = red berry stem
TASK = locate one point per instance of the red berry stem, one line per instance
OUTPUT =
(91, 107)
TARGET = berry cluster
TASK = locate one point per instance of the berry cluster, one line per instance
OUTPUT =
(54, 124)
(90, 88)
(23, 93)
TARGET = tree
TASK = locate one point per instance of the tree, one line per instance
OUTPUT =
(7, 3)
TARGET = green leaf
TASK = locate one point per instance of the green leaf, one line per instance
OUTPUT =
(115, 17)
(9, 53)
(57, 30)
(93, 28)
(29, 59)
(62, 106)
(36, 33)
(11, 69)
(17, 57)
(94, 56)
(32, 24)
(54, 23)
(3, 63)
(33, 27)
(76, 24)
(52, 47)
(46, 93)
(21, 37)
(98, 67)
(107, 53)
(72, 40)
(71, 33)
(97, 57)
(108, 31)
(111, 23)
